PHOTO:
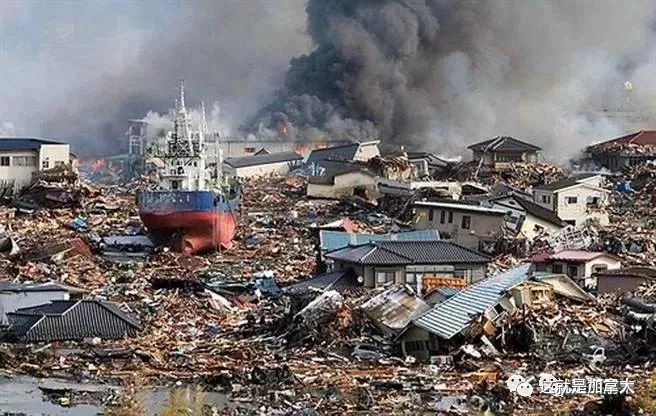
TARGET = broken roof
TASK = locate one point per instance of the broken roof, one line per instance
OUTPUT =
(452, 316)
(342, 152)
(262, 159)
(71, 319)
(408, 252)
(340, 280)
(535, 210)
(642, 137)
(566, 182)
(503, 143)
(393, 309)
(633, 271)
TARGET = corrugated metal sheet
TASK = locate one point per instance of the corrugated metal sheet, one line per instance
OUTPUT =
(449, 318)
(394, 308)
(334, 240)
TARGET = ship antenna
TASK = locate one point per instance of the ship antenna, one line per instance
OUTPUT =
(182, 101)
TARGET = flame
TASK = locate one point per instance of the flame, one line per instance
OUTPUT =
(98, 164)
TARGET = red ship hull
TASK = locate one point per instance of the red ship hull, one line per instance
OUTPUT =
(193, 232)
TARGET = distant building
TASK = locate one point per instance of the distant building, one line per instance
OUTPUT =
(421, 264)
(625, 151)
(264, 164)
(473, 226)
(580, 265)
(20, 157)
(238, 147)
(499, 152)
(575, 199)
(136, 136)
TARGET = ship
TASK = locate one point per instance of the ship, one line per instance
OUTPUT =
(188, 208)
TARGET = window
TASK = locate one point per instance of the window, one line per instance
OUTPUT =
(384, 277)
(498, 309)
(509, 158)
(465, 274)
(572, 271)
(45, 164)
(592, 201)
(598, 268)
(466, 222)
(450, 217)
(546, 199)
(175, 184)
(415, 345)
(59, 163)
(410, 278)
(4, 161)
(571, 200)
(249, 150)
(442, 217)
(557, 268)
(431, 214)
(23, 161)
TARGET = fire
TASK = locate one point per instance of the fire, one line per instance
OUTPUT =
(98, 164)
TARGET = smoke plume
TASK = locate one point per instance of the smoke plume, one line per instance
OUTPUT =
(444, 73)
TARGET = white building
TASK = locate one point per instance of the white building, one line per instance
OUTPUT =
(580, 265)
(527, 218)
(575, 199)
(20, 157)
(262, 165)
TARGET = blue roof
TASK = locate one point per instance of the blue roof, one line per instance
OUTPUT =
(334, 240)
(450, 317)
(24, 143)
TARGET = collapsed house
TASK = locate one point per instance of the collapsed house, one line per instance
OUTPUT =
(315, 164)
(62, 320)
(482, 310)
(526, 218)
(342, 179)
(14, 296)
(261, 164)
(580, 265)
(625, 151)
(472, 226)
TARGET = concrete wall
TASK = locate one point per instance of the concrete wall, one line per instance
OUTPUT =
(344, 186)
(21, 175)
(619, 284)
(53, 154)
(577, 212)
(530, 223)
(585, 270)
(11, 301)
(482, 225)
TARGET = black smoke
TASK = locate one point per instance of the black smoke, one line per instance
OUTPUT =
(442, 73)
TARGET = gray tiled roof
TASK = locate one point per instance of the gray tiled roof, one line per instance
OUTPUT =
(503, 143)
(340, 279)
(408, 252)
(450, 317)
(71, 320)
(264, 159)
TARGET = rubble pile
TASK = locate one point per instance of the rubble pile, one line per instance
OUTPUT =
(525, 176)
(622, 148)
